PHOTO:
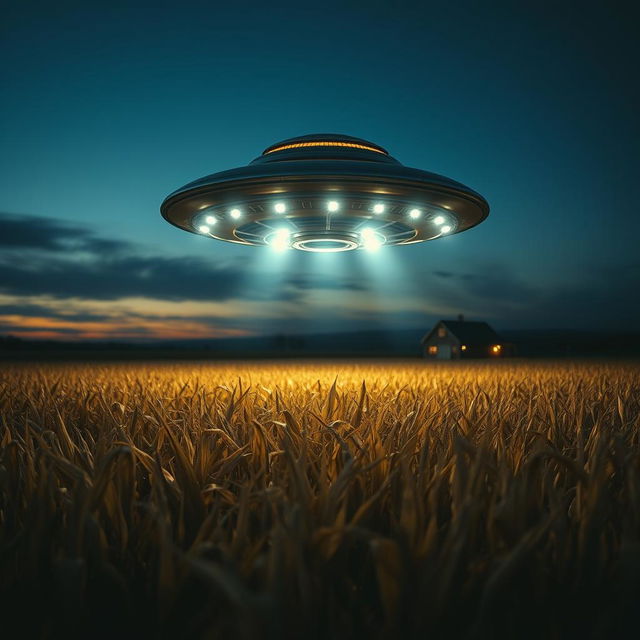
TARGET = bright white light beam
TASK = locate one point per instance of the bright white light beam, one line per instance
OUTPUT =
(370, 240)
(280, 240)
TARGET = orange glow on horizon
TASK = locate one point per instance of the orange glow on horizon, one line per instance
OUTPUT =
(125, 328)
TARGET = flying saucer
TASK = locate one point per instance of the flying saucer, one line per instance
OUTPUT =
(325, 193)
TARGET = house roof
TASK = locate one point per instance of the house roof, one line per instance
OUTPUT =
(468, 332)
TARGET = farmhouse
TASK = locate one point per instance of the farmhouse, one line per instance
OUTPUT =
(454, 339)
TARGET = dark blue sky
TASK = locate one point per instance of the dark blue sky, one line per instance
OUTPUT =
(107, 107)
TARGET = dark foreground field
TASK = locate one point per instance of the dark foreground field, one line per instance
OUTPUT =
(266, 501)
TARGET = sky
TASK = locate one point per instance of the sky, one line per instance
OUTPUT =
(107, 107)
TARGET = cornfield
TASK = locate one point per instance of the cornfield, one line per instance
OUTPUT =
(320, 500)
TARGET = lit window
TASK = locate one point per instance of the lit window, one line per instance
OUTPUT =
(442, 332)
(432, 350)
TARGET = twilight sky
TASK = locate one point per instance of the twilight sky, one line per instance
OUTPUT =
(109, 106)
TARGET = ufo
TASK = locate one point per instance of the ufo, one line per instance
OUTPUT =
(325, 193)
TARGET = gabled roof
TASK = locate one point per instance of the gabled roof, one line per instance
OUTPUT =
(468, 332)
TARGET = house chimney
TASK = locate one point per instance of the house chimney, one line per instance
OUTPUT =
(460, 317)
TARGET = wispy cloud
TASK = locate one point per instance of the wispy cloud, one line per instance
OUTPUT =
(66, 261)
(25, 232)
(60, 280)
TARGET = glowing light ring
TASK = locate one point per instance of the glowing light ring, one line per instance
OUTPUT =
(343, 245)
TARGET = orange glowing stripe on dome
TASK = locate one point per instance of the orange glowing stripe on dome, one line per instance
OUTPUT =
(350, 145)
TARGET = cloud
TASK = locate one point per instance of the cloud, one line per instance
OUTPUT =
(110, 278)
(491, 291)
(48, 234)
(29, 310)
(139, 319)
(61, 279)
(608, 293)
(306, 282)
(451, 274)
(601, 298)
(66, 261)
